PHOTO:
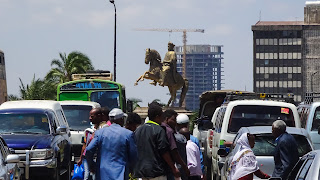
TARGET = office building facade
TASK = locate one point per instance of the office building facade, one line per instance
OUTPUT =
(203, 70)
(286, 54)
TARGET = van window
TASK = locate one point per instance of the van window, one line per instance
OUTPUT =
(255, 115)
(316, 120)
(77, 116)
(219, 121)
(303, 114)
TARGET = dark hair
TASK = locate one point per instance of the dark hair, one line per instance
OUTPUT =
(169, 113)
(98, 111)
(154, 111)
(105, 111)
(133, 118)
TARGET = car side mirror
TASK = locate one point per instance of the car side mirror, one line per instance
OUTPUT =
(61, 130)
(275, 178)
(12, 158)
(222, 152)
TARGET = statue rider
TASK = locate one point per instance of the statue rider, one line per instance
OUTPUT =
(169, 66)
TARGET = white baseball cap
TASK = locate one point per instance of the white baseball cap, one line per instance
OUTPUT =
(182, 118)
(116, 113)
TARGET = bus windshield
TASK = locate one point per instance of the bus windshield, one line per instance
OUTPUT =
(110, 99)
(77, 116)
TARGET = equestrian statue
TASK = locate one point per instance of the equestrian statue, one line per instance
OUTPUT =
(165, 73)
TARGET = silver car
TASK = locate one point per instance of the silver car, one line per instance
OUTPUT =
(8, 163)
(264, 146)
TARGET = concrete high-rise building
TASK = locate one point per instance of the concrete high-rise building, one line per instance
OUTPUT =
(286, 54)
(3, 81)
(203, 71)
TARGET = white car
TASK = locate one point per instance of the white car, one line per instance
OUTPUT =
(245, 113)
(77, 114)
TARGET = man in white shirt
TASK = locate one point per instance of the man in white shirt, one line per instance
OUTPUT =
(193, 156)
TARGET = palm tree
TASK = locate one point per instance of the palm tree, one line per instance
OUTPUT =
(135, 102)
(38, 89)
(13, 97)
(63, 68)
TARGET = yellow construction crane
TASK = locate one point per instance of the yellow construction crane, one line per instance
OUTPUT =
(184, 40)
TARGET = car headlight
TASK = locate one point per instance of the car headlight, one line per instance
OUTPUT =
(41, 153)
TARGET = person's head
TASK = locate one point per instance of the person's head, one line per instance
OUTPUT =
(170, 117)
(182, 121)
(278, 128)
(117, 116)
(155, 113)
(251, 139)
(185, 131)
(246, 140)
(133, 121)
(170, 46)
(95, 116)
(105, 113)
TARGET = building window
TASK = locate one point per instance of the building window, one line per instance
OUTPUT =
(257, 56)
(299, 83)
(299, 70)
(275, 84)
(289, 55)
(266, 84)
(257, 84)
(270, 41)
(289, 69)
(257, 70)
(266, 42)
(266, 62)
(285, 69)
(275, 42)
(261, 42)
(299, 56)
(285, 41)
(280, 55)
(289, 41)
(266, 70)
(280, 70)
(261, 84)
(275, 56)
(289, 83)
(266, 55)
(275, 69)
(261, 70)
(289, 76)
(271, 70)
(280, 84)
(294, 83)
(270, 55)
(266, 76)
(294, 55)
(261, 55)
(284, 83)
(257, 42)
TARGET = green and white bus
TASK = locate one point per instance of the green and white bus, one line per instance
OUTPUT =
(105, 92)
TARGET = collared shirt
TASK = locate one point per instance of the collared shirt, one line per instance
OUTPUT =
(152, 144)
(117, 152)
(195, 140)
(193, 158)
(170, 136)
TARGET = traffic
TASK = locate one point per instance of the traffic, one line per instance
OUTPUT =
(41, 138)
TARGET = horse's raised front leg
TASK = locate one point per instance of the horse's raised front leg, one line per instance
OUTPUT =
(140, 78)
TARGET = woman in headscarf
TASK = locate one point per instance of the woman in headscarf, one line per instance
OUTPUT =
(244, 164)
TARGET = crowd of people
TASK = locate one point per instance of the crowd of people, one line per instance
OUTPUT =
(163, 148)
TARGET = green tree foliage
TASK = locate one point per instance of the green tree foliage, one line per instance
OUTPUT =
(13, 97)
(63, 68)
(135, 102)
(38, 89)
(159, 102)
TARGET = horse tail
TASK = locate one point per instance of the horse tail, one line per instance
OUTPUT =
(184, 91)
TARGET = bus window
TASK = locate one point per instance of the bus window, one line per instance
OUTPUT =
(108, 99)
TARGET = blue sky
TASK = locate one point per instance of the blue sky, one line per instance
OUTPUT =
(33, 32)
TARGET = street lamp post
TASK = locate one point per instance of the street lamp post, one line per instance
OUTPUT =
(312, 79)
(115, 42)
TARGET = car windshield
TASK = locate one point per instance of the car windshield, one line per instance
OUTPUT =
(77, 116)
(29, 123)
(265, 146)
(108, 99)
(254, 115)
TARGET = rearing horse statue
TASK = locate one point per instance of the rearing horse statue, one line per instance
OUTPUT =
(154, 59)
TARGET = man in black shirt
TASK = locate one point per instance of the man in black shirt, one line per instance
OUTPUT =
(153, 148)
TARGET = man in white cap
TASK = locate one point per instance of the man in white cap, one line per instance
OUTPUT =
(117, 150)
(183, 122)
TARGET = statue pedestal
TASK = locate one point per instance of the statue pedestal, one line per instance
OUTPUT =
(143, 111)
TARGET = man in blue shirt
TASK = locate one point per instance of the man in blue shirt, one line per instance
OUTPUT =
(116, 149)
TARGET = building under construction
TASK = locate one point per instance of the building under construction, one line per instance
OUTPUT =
(3, 81)
(287, 54)
(203, 70)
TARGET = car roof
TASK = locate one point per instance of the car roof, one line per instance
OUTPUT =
(261, 102)
(268, 129)
(31, 104)
(87, 103)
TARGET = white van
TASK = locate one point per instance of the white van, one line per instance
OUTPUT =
(244, 113)
(310, 120)
(77, 114)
